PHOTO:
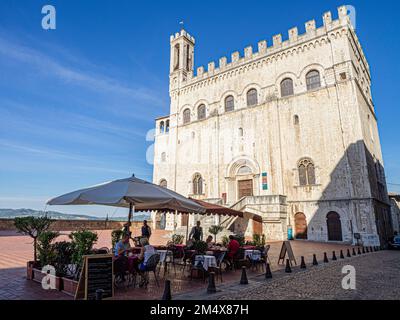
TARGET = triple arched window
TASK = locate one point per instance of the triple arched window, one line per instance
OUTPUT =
(197, 184)
(186, 116)
(252, 99)
(306, 172)
(229, 103)
(313, 80)
(287, 87)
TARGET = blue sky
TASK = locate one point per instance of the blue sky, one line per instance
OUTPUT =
(77, 102)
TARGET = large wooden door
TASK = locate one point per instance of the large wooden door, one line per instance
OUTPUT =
(300, 225)
(185, 220)
(334, 226)
(245, 188)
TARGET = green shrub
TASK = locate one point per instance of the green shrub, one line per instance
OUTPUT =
(177, 239)
(240, 238)
(116, 235)
(214, 230)
(259, 240)
(45, 248)
(33, 227)
(82, 244)
(63, 250)
(200, 246)
(225, 241)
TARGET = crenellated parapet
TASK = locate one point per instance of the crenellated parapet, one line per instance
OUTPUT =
(330, 28)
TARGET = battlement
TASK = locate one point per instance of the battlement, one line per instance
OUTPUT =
(294, 38)
(183, 33)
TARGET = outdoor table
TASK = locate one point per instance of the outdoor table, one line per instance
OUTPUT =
(164, 254)
(254, 255)
(248, 247)
(207, 260)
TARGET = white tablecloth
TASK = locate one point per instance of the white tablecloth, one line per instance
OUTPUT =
(208, 261)
(165, 255)
(253, 254)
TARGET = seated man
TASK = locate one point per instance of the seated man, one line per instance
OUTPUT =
(233, 248)
(121, 251)
(209, 242)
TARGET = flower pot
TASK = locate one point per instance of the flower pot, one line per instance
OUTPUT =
(69, 286)
(38, 276)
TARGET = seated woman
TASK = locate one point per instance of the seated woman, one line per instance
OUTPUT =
(121, 251)
(145, 253)
(210, 242)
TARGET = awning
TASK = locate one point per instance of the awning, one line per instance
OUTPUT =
(217, 209)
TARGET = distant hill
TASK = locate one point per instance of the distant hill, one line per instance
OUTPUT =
(13, 213)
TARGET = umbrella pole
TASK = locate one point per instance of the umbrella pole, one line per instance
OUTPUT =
(130, 216)
(187, 230)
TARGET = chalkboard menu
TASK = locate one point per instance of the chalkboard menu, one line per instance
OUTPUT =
(286, 247)
(97, 274)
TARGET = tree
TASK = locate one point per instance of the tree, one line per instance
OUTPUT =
(215, 230)
(33, 227)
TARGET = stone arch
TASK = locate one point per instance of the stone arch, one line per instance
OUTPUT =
(239, 162)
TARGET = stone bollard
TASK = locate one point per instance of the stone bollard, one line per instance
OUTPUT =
(363, 250)
(268, 273)
(325, 258)
(314, 260)
(341, 254)
(211, 283)
(167, 291)
(243, 278)
(303, 263)
(367, 250)
(334, 256)
(288, 269)
(348, 253)
(358, 251)
(99, 294)
(354, 251)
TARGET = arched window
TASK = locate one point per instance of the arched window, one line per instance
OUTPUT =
(296, 120)
(201, 112)
(287, 87)
(244, 170)
(313, 80)
(167, 126)
(306, 172)
(197, 184)
(229, 103)
(163, 183)
(240, 132)
(186, 116)
(163, 157)
(252, 99)
(162, 127)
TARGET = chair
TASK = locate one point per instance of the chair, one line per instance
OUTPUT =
(197, 266)
(151, 266)
(218, 268)
(121, 271)
(256, 262)
(103, 250)
(239, 259)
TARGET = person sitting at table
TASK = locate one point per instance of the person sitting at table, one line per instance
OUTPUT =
(145, 253)
(209, 242)
(197, 232)
(121, 250)
(233, 248)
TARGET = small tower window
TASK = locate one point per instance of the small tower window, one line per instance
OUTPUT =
(240, 132)
(287, 87)
(163, 157)
(167, 126)
(176, 57)
(313, 80)
(252, 97)
(201, 112)
(296, 120)
(186, 116)
(162, 127)
(229, 103)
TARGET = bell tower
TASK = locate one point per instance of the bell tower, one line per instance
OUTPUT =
(182, 58)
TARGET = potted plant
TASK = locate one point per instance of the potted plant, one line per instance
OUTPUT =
(33, 227)
(82, 242)
(116, 235)
(214, 230)
(177, 239)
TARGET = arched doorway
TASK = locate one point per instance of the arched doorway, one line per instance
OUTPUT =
(300, 224)
(334, 226)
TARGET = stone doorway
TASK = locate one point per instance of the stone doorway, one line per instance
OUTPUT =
(334, 226)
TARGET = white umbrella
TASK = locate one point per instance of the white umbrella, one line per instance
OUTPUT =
(132, 193)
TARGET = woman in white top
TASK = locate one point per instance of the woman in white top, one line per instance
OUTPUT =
(145, 253)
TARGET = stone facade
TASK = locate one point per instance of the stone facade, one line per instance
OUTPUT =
(300, 138)
(395, 211)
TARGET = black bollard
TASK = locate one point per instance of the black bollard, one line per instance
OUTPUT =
(243, 278)
(354, 251)
(314, 260)
(341, 254)
(363, 250)
(99, 294)
(303, 263)
(358, 251)
(211, 283)
(288, 269)
(348, 253)
(334, 256)
(167, 291)
(325, 258)
(268, 273)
